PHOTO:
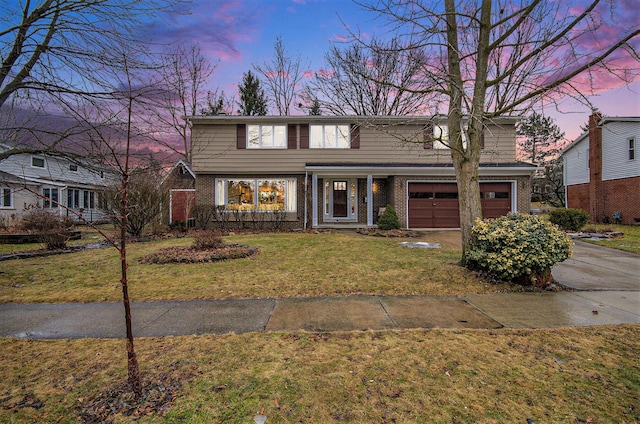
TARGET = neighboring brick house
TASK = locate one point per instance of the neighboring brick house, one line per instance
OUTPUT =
(339, 171)
(74, 184)
(180, 182)
(602, 170)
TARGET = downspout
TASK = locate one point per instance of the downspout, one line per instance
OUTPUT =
(306, 195)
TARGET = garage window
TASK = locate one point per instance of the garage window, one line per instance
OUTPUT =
(495, 195)
(446, 195)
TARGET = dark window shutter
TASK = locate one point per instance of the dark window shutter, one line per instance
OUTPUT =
(355, 136)
(292, 136)
(482, 139)
(427, 137)
(304, 136)
(241, 136)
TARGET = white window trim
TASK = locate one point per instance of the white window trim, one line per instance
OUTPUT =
(290, 192)
(352, 200)
(52, 204)
(323, 136)
(262, 144)
(44, 162)
(2, 195)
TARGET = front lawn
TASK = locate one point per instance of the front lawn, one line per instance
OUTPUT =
(287, 265)
(571, 375)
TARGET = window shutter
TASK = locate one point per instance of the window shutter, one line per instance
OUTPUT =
(427, 137)
(304, 136)
(292, 136)
(241, 136)
(482, 139)
(355, 136)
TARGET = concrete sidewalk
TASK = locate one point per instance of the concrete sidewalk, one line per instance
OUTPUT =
(175, 318)
(607, 287)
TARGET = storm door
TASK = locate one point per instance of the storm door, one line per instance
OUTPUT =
(340, 199)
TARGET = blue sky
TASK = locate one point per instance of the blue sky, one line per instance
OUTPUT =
(235, 34)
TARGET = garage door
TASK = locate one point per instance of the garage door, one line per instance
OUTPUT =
(435, 205)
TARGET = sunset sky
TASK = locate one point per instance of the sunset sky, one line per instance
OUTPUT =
(235, 34)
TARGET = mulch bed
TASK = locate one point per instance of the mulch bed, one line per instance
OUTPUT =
(182, 255)
(158, 396)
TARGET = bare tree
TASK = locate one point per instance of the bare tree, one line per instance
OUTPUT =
(145, 197)
(381, 78)
(51, 49)
(184, 73)
(491, 58)
(217, 104)
(282, 77)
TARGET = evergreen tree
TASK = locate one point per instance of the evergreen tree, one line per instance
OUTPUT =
(315, 109)
(540, 143)
(252, 99)
(540, 138)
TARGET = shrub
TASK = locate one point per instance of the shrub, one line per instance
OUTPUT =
(207, 240)
(389, 219)
(52, 230)
(203, 215)
(519, 248)
(569, 219)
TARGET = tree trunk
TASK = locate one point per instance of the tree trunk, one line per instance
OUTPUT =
(132, 360)
(468, 197)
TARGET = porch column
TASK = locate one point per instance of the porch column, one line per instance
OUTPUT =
(314, 201)
(369, 200)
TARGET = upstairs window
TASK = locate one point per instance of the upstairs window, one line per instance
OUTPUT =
(329, 137)
(441, 137)
(266, 136)
(73, 167)
(37, 162)
(632, 149)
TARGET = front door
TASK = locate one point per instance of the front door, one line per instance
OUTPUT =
(340, 199)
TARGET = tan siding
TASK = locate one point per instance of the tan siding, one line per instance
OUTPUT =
(214, 150)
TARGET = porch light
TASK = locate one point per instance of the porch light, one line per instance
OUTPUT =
(374, 187)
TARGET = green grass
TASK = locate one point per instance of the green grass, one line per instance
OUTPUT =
(629, 242)
(421, 376)
(288, 265)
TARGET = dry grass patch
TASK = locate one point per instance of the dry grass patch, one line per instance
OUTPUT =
(435, 376)
(288, 265)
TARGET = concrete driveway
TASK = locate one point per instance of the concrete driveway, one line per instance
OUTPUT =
(599, 268)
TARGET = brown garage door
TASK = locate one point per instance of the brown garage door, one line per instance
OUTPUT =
(435, 205)
(496, 199)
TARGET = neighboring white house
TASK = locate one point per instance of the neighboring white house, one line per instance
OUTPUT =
(602, 169)
(54, 183)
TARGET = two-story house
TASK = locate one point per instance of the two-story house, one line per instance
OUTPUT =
(57, 184)
(602, 170)
(339, 171)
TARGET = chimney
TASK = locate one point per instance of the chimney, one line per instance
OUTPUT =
(595, 167)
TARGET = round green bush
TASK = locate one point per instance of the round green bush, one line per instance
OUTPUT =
(569, 219)
(389, 219)
(519, 248)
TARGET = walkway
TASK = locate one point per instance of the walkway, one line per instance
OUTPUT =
(606, 282)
